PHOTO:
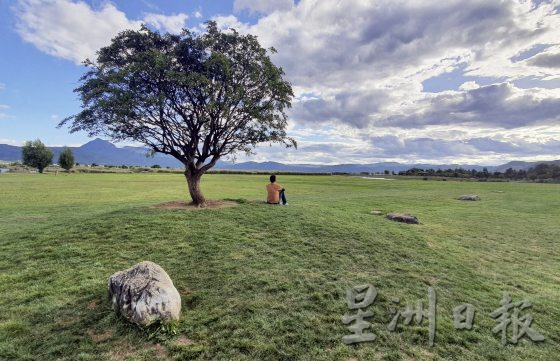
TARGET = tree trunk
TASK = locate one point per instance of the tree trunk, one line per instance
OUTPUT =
(193, 180)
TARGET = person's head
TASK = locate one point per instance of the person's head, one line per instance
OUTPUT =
(272, 178)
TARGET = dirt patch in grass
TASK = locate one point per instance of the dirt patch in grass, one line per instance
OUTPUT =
(183, 341)
(120, 352)
(92, 305)
(98, 337)
(188, 206)
(126, 350)
(161, 351)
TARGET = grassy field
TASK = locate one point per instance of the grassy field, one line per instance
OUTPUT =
(262, 282)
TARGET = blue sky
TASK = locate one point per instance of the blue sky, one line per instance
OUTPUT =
(455, 81)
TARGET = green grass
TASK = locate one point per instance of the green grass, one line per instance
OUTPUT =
(261, 282)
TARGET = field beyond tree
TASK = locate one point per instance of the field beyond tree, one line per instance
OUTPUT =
(262, 282)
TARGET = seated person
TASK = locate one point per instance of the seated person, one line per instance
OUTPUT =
(275, 192)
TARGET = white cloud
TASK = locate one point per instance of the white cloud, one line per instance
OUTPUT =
(469, 85)
(197, 14)
(549, 58)
(75, 31)
(10, 141)
(354, 108)
(229, 22)
(168, 23)
(357, 67)
(262, 6)
(500, 104)
(70, 30)
(364, 64)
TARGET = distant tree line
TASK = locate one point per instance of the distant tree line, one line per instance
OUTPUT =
(35, 154)
(542, 172)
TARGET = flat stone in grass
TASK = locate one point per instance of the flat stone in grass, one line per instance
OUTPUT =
(402, 217)
(144, 294)
(375, 212)
(468, 197)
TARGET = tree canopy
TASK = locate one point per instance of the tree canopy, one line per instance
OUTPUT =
(36, 154)
(197, 97)
(66, 159)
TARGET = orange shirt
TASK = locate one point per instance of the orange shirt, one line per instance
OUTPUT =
(273, 190)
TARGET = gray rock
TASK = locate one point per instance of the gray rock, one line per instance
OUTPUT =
(144, 294)
(402, 217)
(468, 197)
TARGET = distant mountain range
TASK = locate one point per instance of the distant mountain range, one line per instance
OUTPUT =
(103, 152)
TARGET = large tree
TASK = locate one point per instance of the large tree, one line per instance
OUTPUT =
(66, 159)
(195, 96)
(36, 154)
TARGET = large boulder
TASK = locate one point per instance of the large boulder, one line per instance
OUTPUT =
(402, 217)
(144, 294)
(468, 197)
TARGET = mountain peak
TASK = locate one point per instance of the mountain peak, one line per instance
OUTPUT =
(98, 144)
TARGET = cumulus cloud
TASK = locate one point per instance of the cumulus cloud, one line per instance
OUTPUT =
(357, 69)
(229, 22)
(353, 108)
(434, 149)
(379, 54)
(336, 48)
(168, 23)
(501, 105)
(75, 31)
(550, 58)
(70, 30)
(340, 43)
(469, 85)
(262, 6)
(313, 153)
(408, 148)
(364, 64)
(391, 145)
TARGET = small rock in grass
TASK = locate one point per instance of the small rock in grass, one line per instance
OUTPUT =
(402, 217)
(376, 212)
(468, 197)
(144, 294)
